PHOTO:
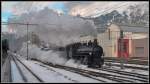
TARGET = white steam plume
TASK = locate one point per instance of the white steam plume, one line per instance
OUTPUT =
(54, 28)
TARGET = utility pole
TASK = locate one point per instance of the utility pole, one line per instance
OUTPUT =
(27, 41)
(109, 34)
(121, 49)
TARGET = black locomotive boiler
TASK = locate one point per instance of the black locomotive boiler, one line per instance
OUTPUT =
(90, 53)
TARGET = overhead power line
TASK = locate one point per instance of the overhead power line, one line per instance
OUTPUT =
(109, 9)
(12, 23)
(7, 23)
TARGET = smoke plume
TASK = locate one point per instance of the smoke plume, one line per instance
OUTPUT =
(52, 27)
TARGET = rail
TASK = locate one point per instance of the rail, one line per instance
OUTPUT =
(25, 79)
(122, 77)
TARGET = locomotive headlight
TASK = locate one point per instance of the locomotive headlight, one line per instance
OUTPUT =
(90, 53)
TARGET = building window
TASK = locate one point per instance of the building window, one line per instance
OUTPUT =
(139, 50)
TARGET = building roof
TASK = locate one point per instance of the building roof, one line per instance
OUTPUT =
(138, 36)
(128, 28)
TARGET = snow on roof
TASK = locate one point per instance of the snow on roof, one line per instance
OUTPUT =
(138, 36)
(127, 28)
(130, 28)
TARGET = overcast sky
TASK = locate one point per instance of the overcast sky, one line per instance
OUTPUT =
(84, 8)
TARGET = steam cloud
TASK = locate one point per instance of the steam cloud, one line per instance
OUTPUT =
(52, 27)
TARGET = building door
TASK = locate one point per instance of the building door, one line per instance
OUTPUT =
(125, 48)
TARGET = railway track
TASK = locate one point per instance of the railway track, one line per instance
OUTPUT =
(125, 65)
(140, 61)
(22, 74)
(142, 76)
(71, 71)
(103, 73)
(124, 77)
(112, 77)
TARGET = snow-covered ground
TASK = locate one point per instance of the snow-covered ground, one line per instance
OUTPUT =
(15, 74)
(44, 74)
(50, 74)
(28, 75)
(74, 75)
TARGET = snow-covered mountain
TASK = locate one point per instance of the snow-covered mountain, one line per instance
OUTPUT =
(132, 15)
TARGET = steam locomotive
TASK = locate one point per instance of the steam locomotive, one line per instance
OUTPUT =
(90, 53)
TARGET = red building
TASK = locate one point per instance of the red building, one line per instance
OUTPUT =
(123, 48)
